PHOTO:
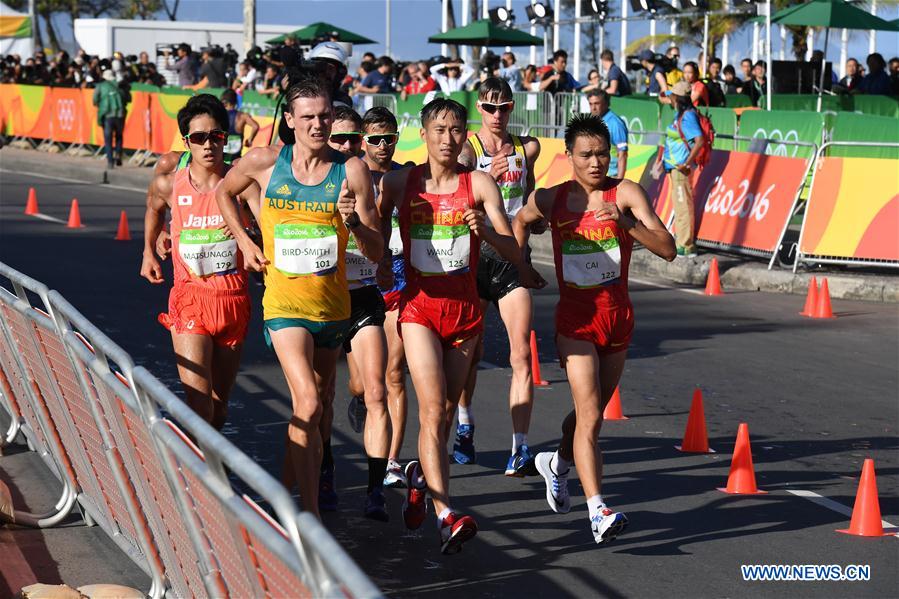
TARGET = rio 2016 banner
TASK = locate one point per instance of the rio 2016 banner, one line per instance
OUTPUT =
(741, 200)
(853, 210)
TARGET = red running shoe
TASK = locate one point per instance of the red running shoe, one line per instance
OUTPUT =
(415, 506)
(455, 530)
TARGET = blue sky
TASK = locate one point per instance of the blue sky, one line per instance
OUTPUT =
(414, 20)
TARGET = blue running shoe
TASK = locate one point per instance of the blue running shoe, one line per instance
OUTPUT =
(463, 448)
(521, 463)
(375, 506)
(327, 495)
(606, 525)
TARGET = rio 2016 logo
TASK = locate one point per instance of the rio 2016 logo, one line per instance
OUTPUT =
(725, 201)
(65, 114)
(776, 135)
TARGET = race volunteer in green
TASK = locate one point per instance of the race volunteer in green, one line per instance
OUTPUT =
(313, 198)
(509, 160)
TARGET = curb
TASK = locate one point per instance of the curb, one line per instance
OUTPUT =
(744, 275)
(78, 168)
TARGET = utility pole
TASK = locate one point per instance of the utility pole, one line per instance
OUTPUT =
(249, 24)
(387, 34)
(33, 18)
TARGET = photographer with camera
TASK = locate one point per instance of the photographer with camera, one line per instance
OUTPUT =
(185, 66)
(558, 80)
(672, 73)
(618, 83)
(212, 71)
(658, 84)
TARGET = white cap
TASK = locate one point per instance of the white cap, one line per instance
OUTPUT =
(328, 51)
(108, 75)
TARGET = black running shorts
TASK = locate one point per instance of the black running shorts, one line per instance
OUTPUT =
(366, 310)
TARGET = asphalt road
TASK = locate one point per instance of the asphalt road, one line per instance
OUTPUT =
(819, 397)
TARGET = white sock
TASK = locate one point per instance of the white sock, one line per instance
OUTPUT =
(466, 415)
(518, 439)
(594, 504)
(558, 465)
(446, 512)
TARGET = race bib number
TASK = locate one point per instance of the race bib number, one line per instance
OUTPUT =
(234, 144)
(207, 252)
(302, 250)
(440, 249)
(396, 240)
(358, 267)
(588, 263)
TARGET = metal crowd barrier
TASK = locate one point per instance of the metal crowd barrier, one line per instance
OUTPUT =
(364, 102)
(531, 109)
(812, 258)
(139, 463)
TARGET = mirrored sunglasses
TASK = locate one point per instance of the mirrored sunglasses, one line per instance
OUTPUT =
(199, 138)
(376, 139)
(491, 108)
(353, 137)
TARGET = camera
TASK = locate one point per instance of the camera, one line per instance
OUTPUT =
(489, 63)
(632, 63)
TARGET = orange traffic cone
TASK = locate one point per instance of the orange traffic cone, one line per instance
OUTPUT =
(866, 520)
(696, 439)
(613, 408)
(713, 283)
(74, 216)
(535, 363)
(741, 480)
(811, 300)
(822, 308)
(31, 204)
(123, 234)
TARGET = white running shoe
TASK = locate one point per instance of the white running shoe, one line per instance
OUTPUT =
(394, 478)
(556, 485)
(607, 525)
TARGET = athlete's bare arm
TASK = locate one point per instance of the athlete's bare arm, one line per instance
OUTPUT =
(245, 120)
(166, 164)
(486, 194)
(534, 211)
(634, 213)
(356, 205)
(531, 153)
(159, 197)
(252, 168)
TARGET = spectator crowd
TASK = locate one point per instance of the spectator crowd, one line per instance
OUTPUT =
(265, 72)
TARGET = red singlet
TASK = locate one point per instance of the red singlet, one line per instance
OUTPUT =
(209, 296)
(439, 249)
(592, 259)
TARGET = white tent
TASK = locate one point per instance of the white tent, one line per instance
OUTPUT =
(15, 32)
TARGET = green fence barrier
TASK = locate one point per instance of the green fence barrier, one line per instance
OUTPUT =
(738, 101)
(638, 115)
(877, 105)
(848, 126)
(786, 126)
(807, 102)
(258, 104)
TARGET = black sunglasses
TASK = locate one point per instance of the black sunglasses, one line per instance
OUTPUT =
(217, 136)
(503, 107)
(375, 139)
(341, 138)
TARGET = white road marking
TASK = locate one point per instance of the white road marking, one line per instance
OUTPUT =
(830, 504)
(50, 218)
(66, 179)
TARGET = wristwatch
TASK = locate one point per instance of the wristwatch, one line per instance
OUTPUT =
(352, 221)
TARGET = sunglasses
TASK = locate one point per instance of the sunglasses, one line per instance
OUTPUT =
(491, 108)
(353, 137)
(216, 136)
(376, 139)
